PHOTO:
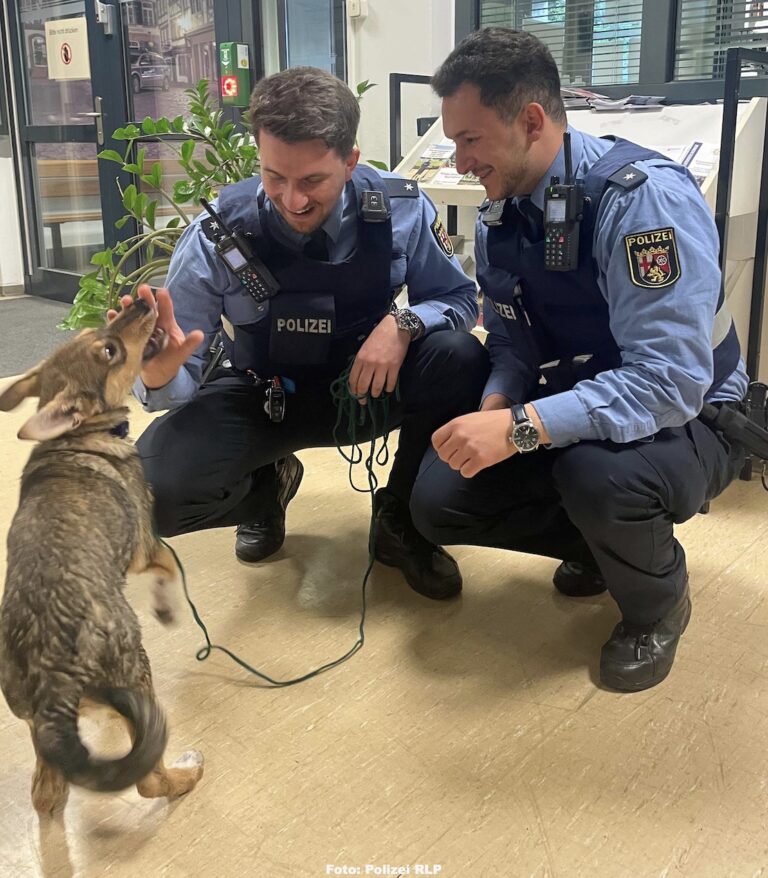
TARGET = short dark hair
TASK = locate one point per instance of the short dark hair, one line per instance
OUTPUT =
(511, 68)
(306, 103)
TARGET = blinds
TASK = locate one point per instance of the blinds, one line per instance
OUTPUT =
(593, 43)
(706, 28)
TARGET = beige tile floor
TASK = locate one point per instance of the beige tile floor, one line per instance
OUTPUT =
(468, 736)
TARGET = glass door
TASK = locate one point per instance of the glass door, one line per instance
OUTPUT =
(85, 68)
(70, 94)
(171, 46)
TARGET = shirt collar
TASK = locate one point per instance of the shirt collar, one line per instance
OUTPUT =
(331, 226)
(557, 168)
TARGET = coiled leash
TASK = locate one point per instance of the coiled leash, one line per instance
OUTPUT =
(351, 417)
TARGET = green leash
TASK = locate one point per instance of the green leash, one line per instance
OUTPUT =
(350, 416)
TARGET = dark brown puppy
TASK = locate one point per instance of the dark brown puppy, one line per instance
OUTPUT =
(67, 633)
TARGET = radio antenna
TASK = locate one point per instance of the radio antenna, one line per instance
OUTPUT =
(568, 162)
(214, 216)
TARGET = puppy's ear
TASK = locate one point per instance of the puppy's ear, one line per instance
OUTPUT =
(27, 385)
(62, 414)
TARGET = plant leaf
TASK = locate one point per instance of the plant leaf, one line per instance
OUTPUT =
(129, 197)
(110, 155)
(156, 175)
(182, 190)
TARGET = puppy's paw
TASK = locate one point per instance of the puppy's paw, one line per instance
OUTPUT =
(190, 759)
(185, 772)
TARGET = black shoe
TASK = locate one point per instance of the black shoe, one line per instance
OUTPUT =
(427, 568)
(260, 539)
(577, 581)
(637, 657)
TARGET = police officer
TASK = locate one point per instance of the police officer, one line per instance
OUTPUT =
(339, 240)
(595, 466)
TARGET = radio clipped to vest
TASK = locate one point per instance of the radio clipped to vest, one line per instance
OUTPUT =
(239, 256)
(563, 212)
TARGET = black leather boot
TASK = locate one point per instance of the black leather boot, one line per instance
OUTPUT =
(637, 657)
(260, 539)
(578, 581)
(427, 568)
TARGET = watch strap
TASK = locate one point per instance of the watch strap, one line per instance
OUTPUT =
(518, 413)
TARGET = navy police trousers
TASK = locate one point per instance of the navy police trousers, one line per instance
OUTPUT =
(609, 506)
(211, 462)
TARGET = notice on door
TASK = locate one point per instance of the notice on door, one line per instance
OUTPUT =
(66, 42)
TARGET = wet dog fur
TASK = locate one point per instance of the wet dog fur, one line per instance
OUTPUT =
(67, 633)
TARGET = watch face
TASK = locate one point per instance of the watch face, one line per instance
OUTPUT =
(408, 321)
(525, 437)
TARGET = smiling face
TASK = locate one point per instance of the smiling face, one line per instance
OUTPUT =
(501, 153)
(304, 180)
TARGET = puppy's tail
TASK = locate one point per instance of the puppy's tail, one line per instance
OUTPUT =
(58, 740)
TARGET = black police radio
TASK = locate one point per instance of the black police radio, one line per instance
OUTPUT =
(240, 257)
(563, 212)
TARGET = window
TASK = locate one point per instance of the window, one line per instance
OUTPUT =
(304, 32)
(592, 42)
(38, 52)
(706, 29)
(148, 14)
(129, 13)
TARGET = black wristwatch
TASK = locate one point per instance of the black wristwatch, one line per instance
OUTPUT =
(408, 321)
(524, 436)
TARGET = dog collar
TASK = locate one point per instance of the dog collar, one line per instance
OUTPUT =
(120, 430)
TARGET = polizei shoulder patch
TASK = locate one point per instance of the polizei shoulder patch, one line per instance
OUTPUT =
(652, 258)
(442, 236)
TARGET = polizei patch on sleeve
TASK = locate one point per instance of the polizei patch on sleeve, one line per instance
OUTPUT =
(442, 236)
(652, 258)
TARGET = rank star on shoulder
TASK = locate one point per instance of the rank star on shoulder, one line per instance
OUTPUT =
(630, 176)
(409, 187)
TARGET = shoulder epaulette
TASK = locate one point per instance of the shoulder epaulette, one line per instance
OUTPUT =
(211, 229)
(628, 177)
(398, 187)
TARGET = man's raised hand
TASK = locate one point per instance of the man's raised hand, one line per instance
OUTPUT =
(178, 347)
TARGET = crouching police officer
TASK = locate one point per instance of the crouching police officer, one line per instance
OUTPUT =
(332, 243)
(595, 466)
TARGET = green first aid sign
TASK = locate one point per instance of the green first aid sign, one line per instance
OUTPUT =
(235, 82)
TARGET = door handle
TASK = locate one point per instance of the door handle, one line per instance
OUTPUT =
(98, 117)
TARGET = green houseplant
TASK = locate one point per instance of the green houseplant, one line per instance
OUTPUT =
(209, 153)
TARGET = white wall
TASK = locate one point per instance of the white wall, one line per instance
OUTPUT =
(397, 36)
(11, 261)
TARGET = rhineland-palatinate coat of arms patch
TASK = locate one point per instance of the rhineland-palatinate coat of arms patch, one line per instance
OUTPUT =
(652, 258)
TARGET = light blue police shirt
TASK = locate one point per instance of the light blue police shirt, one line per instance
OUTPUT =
(438, 290)
(665, 339)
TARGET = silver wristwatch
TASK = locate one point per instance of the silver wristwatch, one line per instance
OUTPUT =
(524, 436)
(408, 321)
